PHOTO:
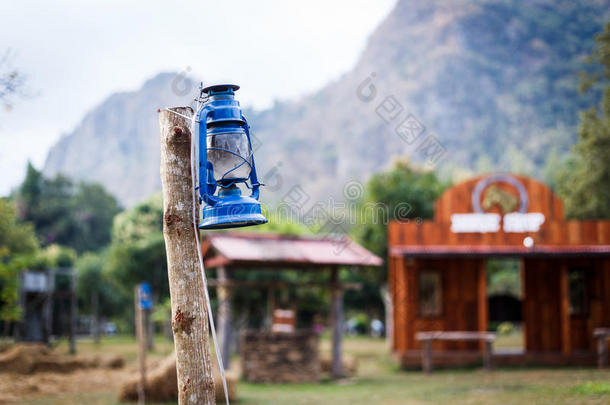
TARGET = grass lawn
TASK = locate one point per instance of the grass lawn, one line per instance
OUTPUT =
(381, 382)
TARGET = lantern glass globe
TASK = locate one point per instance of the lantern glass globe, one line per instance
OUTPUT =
(230, 155)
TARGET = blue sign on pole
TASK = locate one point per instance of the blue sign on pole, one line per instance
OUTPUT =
(145, 295)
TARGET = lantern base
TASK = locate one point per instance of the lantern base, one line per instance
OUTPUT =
(232, 211)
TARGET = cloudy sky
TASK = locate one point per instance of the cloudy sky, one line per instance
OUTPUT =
(76, 53)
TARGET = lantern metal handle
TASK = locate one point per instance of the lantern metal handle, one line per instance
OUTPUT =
(207, 182)
(253, 178)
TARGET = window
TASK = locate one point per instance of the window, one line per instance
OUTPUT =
(578, 292)
(430, 293)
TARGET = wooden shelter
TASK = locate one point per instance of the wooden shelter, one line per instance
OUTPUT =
(228, 252)
(437, 272)
(44, 296)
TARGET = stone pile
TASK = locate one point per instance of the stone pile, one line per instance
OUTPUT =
(268, 357)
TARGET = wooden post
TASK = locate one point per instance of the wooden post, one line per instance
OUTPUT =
(95, 303)
(270, 307)
(148, 324)
(141, 338)
(564, 303)
(488, 359)
(523, 304)
(224, 316)
(72, 275)
(482, 303)
(48, 307)
(189, 312)
(427, 356)
(337, 320)
(388, 305)
(602, 335)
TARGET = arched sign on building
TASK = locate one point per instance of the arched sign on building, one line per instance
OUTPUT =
(498, 209)
(498, 192)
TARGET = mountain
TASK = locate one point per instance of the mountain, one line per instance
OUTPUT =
(117, 143)
(482, 85)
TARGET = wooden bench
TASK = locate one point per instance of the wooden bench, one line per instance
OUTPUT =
(602, 334)
(429, 337)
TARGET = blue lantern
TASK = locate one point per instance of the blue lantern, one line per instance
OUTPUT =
(226, 160)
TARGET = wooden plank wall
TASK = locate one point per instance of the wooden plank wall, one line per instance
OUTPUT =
(549, 325)
(464, 301)
(541, 305)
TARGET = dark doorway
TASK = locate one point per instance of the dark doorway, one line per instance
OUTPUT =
(504, 299)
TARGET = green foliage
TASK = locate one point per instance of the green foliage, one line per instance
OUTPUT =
(403, 193)
(18, 250)
(137, 250)
(505, 328)
(76, 215)
(552, 169)
(9, 292)
(15, 237)
(280, 224)
(58, 256)
(585, 183)
(361, 322)
(163, 311)
(592, 388)
(9, 281)
(93, 282)
(503, 277)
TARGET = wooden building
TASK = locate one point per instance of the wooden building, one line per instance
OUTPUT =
(437, 272)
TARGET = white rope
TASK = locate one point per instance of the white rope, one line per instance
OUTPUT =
(194, 174)
(181, 115)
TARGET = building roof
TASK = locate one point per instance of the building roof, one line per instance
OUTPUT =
(272, 250)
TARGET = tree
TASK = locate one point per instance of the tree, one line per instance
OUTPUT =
(15, 237)
(94, 210)
(97, 294)
(18, 247)
(585, 182)
(137, 250)
(401, 193)
(76, 215)
(11, 80)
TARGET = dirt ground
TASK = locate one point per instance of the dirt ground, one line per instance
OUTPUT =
(94, 375)
(15, 388)
(378, 381)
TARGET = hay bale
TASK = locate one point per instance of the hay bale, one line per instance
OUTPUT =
(22, 358)
(4, 346)
(350, 364)
(63, 364)
(113, 362)
(28, 358)
(162, 384)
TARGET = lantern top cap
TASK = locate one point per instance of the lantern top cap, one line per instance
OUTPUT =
(220, 88)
